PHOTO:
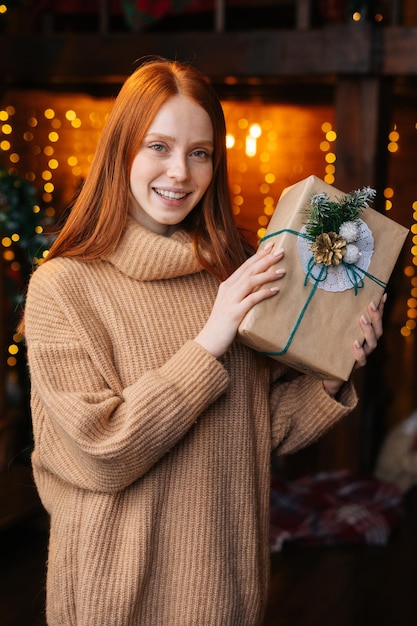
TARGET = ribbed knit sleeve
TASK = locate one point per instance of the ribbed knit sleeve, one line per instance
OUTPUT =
(89, 429)
(302, 411)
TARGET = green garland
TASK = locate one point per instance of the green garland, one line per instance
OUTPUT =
(325, 215)
(23, 243)
(21, 215)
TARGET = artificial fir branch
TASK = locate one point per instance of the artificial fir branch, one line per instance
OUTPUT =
(327, 215)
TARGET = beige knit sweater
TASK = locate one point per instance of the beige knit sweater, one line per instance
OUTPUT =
(151, 456)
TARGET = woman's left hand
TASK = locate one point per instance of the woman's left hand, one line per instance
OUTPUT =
(372, 330)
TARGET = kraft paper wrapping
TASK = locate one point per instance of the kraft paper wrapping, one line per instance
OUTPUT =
(310, 328)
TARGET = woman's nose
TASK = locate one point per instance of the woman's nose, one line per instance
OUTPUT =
(178, 167)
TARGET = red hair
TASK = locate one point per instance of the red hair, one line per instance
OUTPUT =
(99, 213)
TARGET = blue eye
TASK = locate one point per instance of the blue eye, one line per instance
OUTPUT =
(157, 147)
(201, 154)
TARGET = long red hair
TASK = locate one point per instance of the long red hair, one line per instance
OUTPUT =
(99, 213)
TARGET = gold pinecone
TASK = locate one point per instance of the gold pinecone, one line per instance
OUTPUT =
(329, 249)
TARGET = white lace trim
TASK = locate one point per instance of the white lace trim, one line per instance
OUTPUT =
(340, 277)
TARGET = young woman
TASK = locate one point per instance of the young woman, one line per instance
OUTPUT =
(153, 426)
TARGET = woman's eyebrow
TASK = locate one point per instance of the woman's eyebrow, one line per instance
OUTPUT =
(154, 135)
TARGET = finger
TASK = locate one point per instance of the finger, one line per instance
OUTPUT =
(256, 297)
(267, 255)
(258, 270)
(360, 355)
(376, 315)
(383, 301)
(259, 262)
(268, 246)
(371, 339)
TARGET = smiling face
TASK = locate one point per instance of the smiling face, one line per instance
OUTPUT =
(173, 167)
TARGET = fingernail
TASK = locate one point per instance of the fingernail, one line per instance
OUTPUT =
(279, 251)
(357, 344)
(364, 320)
(268, 246)
(274, 289)
(384, 297)
(373, 306)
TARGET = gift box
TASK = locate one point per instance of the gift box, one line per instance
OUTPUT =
(312, 323)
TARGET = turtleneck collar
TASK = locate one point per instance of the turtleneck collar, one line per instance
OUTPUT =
(144, 255)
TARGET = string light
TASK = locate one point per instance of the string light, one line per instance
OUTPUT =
(329, 154)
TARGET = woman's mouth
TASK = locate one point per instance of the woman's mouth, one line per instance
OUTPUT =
(171, 195)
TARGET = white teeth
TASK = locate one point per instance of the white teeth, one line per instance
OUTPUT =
(170, 194)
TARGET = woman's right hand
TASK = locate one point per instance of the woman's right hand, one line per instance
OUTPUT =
(247, 286)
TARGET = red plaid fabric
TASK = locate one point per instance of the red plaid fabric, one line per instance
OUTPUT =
(333, 508)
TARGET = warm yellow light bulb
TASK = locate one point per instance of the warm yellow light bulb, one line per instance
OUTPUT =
(255, 131)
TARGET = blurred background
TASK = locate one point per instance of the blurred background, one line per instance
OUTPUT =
(324, 87)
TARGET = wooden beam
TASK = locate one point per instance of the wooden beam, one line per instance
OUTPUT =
(69, 58)
(398, 51)
(361, 113)
(303, 14)
(338, 49)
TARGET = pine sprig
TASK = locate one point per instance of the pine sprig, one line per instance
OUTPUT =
(327, 215)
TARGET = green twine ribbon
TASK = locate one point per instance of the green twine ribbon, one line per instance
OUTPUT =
(352, 272)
